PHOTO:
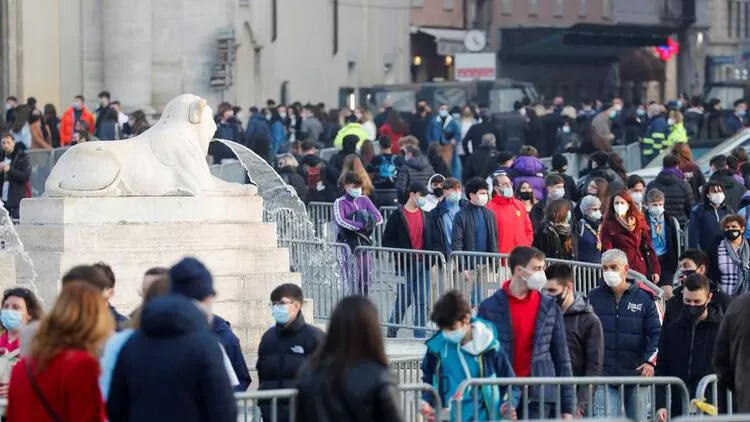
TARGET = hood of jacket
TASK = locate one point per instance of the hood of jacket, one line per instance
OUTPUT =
(725, 177)
(527, 166)
(172, 315)
(429, 182)
(579, 306)
(715, 314)
(419, 163)
(483, 338)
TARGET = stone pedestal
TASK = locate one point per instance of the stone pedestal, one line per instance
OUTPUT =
(133, 234)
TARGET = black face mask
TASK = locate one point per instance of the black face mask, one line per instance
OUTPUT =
(525, 196)
(560, 298)
(685, 274)
(695, 311)
(732, 235)
(438, 192)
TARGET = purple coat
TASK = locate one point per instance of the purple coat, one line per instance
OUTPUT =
(345, 206)
(529, 169)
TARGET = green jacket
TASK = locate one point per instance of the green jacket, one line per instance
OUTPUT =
(350, 129)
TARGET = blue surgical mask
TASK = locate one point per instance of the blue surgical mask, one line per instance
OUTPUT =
(612, 114)
(11, 319)
(454, 336)
(280, 314)
(420, 201)
(640, 112)
(507, 192)
(455, 116)
(454, 197)
(741, 113)
(443, 113)
(354, 192)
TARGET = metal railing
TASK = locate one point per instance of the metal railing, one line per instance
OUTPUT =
(411, 395)
(537, 387)
(321, 216)
(476, 274)
(408, 370)
(377, 235)
(396, 279)
(272, 405)
(710, 384)
(744, 417)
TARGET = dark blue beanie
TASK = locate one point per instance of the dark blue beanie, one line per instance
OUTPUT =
(191, 278)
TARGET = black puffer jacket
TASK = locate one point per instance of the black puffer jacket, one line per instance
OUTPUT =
(281, 354)
(464, 229)
(615, 182)
(482, 163)
(415, 169)
(585, 337)
(17, 176)
(678, 195)
(686, 351)
(368, 394)
(674, 306)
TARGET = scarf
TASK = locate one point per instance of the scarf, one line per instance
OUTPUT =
(742, 261)
(562, 229)
(674, 171)
(629, 225)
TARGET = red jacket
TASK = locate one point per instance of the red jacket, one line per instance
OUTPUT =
(70, 383)
(67, 124)
(615, 236)
(513, 223)
(386, 130)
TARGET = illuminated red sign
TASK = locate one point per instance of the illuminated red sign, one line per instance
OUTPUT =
(667, 52)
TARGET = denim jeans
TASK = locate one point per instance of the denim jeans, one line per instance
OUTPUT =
(415, 291)
(634, 397)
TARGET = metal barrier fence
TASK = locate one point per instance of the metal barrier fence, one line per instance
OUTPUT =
(631, 155)
(395, 279)
(321, 216)
(325, 269)
(537, 387)
(710, 384)
(681, 241)
(408, 370)
(410, 396)
(745, 417)
(275, 403)
(377, 235)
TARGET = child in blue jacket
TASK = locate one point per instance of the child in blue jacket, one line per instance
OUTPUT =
(465, 348)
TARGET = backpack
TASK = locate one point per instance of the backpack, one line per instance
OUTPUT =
(314, 177)
(387, 169)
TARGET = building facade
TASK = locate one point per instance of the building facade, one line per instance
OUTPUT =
(147, 51)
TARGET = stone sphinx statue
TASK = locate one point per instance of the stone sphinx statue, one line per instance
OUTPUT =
(169, 159)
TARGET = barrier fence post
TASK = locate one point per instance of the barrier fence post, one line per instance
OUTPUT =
(416, 400)
(250, 404)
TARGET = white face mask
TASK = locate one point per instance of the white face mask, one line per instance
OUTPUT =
(621, 209)
(535, 279)
(670, 122)
(596, 215)
(637, 197)
(557, 193)
(717, 198)
(612, 278)
(656, 210)
(481, 199)
(507, 192)
(566, 129)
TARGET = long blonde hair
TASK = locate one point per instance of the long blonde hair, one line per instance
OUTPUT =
(79, 320)
(352, 164)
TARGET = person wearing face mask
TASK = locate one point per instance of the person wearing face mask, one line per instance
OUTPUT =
(102, 114)
(483, 162)
(586, 243)
(435, 192)
(560, 167)
(19, 307)
(730, 257)
(631, 325)
(285, 347)
(554, 189)
(409, 227)
(663, 237)
(625, 228)
(530, 324)
(693, 261)
(528, 168)
(15, 172)
(444, 214)
(686, 348)
(554, 236)
(733, 185)
(463, 349)
(525, 194)
(737, 120)
(678, 195)
(655, 136)
(704, 229)
(583, 330)
(677, 131)
(513, 223)
(475, 230)
(77, 112)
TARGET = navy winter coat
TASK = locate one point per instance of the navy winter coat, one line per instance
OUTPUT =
(231, 343)
(704, 227)
(631, 328)
(550, 357)
(171, 369)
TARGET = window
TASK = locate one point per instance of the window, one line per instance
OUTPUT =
(737, 14)
(559, 8)
(533, 7)
(417, 3)
(729, 18)
(582, 8)
(606, 9)
(506, 7)
(448, 4)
